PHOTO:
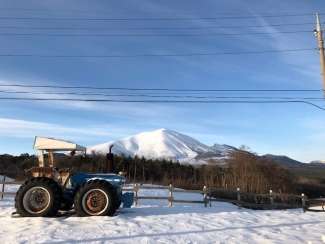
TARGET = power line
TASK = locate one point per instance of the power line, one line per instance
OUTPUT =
(152, 19)
(157, 101)
(157, 96)
(115, 12)
(164, 98)
(151, 28)
(151, 35)
(153, 55)
(161, 89)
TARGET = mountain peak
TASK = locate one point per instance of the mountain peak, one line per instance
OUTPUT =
(161, 143)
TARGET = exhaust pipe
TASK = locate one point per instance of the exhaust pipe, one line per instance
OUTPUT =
(109, 160)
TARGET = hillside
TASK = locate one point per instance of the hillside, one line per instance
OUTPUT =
(166, 144)
(284, 160)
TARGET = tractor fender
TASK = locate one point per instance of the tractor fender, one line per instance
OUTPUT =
(81, 178)
(97, 178)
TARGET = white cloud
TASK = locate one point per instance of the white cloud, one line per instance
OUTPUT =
(312, 123)
(115, 109)
(23, 128)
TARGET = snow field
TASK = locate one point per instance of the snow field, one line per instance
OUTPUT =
(152, 221)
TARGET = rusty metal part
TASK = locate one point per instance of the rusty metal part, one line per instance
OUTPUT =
(41, 171)
(63, 178)
(36, 200)
(109, 159)
(50, 158)
(95, 201)
(58, 175)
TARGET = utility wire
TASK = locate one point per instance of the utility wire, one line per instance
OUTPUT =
(194, 94)
(142, 101)
(156, 101)
(158, 96)
(150, 28)
(154, 55)
(151, 35)
(220, 99)
(111, 12)
(153, 19)
(180, 96)
(162, 89)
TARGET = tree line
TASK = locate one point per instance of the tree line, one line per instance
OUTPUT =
(245, 170)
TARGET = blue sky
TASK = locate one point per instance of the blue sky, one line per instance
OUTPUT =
(149, 45)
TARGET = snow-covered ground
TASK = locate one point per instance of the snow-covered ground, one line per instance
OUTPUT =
(152, 221)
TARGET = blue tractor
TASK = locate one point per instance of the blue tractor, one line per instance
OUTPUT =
(51, 189)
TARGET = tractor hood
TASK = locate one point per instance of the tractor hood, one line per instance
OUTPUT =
(44, 143)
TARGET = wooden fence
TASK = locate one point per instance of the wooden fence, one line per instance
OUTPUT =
(4, 182)
(170, 198)
(237, 197)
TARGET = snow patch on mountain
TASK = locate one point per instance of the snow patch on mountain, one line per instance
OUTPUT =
(223, 148)
(318, 162)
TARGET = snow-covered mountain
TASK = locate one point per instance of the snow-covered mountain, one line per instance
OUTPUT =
(166, 144)
(318, 163)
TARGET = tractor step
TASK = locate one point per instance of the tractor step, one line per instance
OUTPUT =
(68, 213)
(15, 215)
(59, 214)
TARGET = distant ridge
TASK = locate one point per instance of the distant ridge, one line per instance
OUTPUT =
(318, 163)
(283, 159)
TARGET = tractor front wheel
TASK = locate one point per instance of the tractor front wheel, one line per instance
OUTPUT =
(38, 197)
(96, 198)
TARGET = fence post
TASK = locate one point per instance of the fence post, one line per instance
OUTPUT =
(135, 188)
(3, 186)
(271, 199)
(303, 201)
(170, 195)
(238, 198)
(205, 199)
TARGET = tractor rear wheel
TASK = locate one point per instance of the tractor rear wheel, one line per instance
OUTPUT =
(96, 198)
(38, 197)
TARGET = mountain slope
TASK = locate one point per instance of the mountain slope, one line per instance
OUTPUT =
(284, 160)
(163, 143)
(171, 145)
(318, 163)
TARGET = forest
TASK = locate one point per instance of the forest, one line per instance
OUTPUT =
(245, 170)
